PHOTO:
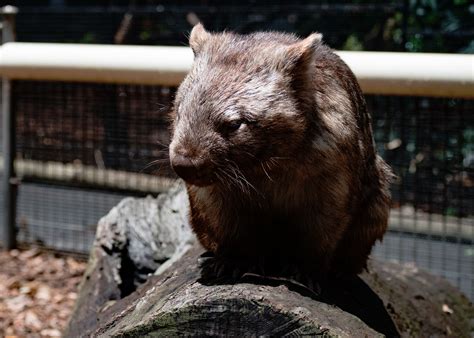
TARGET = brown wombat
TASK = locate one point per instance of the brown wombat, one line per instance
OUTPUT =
(272, 136)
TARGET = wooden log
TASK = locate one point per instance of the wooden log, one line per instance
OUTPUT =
(138, 236)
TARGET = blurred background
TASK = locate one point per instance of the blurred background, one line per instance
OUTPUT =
(65, 131)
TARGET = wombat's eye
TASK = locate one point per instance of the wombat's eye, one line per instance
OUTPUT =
(232, 126)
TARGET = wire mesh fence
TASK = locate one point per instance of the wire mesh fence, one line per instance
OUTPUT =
(164, 23)
(429, 143)
(78, 145)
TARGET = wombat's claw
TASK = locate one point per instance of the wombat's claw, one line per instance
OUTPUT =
(207, 254)
(205, 258)
(312, 285)
(312, 290)
(258, 267)
(306, 280)
(219, 269)
(292, 273)
(236, 274)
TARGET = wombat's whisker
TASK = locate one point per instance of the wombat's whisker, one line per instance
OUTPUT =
(240, 177)
(166, 146)
(233, 180)
(263, 167)
(155, 162)
(251, 155)
(239, 181)
(218, 176)
(244, 180)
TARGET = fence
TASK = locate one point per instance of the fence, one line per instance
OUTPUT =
(87, 120)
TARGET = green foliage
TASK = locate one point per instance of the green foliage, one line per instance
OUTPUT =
(145, 35)
(88, 37)
(440, 26)
(353, 43)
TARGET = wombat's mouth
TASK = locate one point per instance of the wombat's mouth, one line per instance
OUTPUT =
(199, 181)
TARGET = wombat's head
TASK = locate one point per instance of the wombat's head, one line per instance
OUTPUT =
(239, 107)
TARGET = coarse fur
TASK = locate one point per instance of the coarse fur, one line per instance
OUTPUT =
(278, 132)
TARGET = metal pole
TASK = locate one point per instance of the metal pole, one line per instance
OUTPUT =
(9, 179)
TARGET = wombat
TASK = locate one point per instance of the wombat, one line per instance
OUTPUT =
(272, 136)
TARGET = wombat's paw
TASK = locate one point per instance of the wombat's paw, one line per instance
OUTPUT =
(223, 270)
(220, 269)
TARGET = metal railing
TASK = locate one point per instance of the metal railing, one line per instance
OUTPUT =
(428, 74)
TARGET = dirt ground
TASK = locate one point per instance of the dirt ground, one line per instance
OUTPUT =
(37, 292)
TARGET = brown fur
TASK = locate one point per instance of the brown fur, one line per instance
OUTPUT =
(300, 178)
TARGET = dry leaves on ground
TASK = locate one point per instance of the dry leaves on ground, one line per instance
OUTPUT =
(37, 292)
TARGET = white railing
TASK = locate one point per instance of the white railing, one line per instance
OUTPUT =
(424, 74)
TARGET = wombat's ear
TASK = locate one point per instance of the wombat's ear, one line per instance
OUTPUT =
(198, 38)
(308, 44)
(301, 52)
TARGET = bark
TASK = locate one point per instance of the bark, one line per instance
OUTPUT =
(142, 236)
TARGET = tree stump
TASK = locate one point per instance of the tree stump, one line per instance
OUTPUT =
(144, 279)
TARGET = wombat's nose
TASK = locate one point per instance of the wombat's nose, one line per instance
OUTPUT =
(183, 166)
(193, 171)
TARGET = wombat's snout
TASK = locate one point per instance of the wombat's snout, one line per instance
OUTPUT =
(193, 170)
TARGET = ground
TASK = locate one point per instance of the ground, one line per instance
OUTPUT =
(37, 292)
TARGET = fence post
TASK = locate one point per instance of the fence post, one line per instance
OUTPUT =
(9, 178)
